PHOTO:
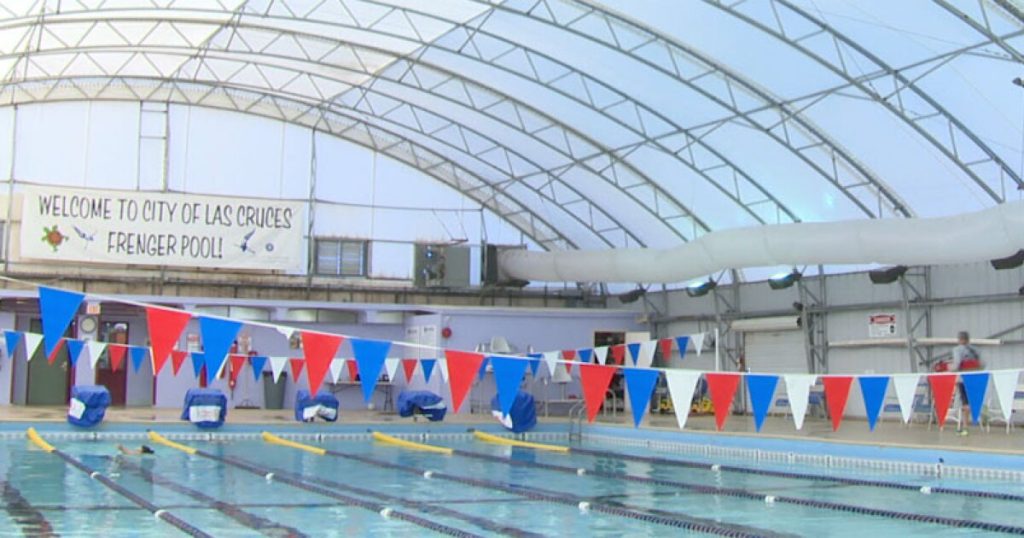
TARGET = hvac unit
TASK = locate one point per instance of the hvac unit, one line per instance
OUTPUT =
(441, 266)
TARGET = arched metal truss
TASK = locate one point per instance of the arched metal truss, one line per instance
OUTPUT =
(563, 151)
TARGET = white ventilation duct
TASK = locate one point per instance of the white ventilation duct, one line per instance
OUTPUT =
(984, 235)
(770, 324)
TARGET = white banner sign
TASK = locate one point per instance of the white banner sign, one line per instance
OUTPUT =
(882, 325)
(142, 228)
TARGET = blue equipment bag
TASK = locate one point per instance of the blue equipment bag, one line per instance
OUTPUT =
(206, 408)
(88, 405)
(307, 408)
(421, 402)
(523, 415)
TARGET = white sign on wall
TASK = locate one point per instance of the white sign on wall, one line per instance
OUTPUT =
(882, 325)
(142, 228)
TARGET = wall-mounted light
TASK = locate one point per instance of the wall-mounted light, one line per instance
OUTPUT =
(887, 275)
(700, 288)
(1009, 262)
(782, 281)
(632, 296)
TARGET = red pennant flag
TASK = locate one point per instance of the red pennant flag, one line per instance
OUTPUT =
(942, 391)
(116, 353)
(319, 349)
(53, 354)
(666, 348)
(237, 361)
(837, 390)
(177, 359)
(568, 355)
(722, 387)
(165, 327)
(296, 366)
(619, 353)
(353, 369)
(595, 379)
(462, 368)
(409, 365)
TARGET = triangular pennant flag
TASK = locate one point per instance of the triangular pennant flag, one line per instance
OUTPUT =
(534, 363)
(337, 366)
(639, 384)
(569, 356)
(619, 354)
(482, 371)
(905, 386)
(218, 336)
(12, 338)
(682, 342)
(57, 308)
(177, 359)
(585, 355)
(975, 384)
(165, 328)
(551, 361)
(681, 384)
(32, 341)
(391, 368)
(634, 351)
(698, 342)
(74, 350)
(370, 356)
(319, 349)
(798, 391)
(647, 353)
(1005, 384)
(353, 370)
(287, 332)
(409, 368)
(198, 362)
(942, 394)
(665, 346)
(237, 363)
(53, 353)
(277, 366)
(138, 354)
(762, 390)
(837, 391)
(257, 362)
(595, 379)
(461, 367)
(96, 350)
(722, 387)
(872, 389)
(428, 368)
(116, 353)
(601, 353)
(296, 365)
(442, 366)
(508, 373)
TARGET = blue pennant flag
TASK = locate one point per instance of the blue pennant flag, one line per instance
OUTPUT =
(12, 338)
(428, 367)
(762, 389)
(585, 355)
(198, 361)
(508, 373)
(370, 355)
(482, 372)
(873, 388)
(218, 336)
(138, 354)
(535, 363)
(74, 350)
(634, 351)
(257, 362)
(640, 384)
(682, 342)
(57, 308)
(976, 384)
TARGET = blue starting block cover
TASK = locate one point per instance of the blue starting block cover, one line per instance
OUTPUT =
(308, 408)
(88, 405)
(206, 408)
(421, 402)
(523, 415)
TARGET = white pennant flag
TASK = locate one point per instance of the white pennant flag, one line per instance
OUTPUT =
(277, 366)
(551, 360)
(1005, 383)
(391, 367)
(286, 331)
(32, 341)
(698, 343)
(337, 365)
(646, 355)
(95, 350)
(798, 390)
(601, 353)
(442, 364)
(680, 387)
(905, 386)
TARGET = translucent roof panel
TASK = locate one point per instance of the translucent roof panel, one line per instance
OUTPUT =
(579, 123)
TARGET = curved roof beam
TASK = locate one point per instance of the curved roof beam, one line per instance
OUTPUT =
(344, 124)
(851, 177)
(984, 27)
(996, 188)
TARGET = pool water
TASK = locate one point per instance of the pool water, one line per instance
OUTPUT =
(538, 496)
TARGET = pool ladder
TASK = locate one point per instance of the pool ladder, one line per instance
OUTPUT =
(577, 413)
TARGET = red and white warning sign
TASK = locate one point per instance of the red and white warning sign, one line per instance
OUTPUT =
(882, 325)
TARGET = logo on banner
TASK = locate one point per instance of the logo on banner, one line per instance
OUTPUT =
(53, 237)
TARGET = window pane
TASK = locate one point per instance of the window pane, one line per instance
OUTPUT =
(327, 255)
(352, 258)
